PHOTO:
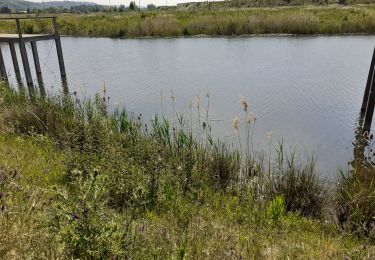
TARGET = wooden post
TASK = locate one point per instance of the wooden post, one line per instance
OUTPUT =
(25, 60)
(36, 58)
(3, 71)
(15, 62)
(368, 85)
(59, 49)
(369, 108)
(38, 70)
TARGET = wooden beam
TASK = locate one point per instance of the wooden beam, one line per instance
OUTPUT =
(15, 62)
(59, 49)
(38, 70)
(34, 49)
(369, 107)
(368, 85)
(25, 60)
(3, 71)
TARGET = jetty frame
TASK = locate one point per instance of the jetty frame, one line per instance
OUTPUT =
(368, 103)
(22, 38)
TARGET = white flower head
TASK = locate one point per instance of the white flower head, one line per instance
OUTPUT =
(236, 124)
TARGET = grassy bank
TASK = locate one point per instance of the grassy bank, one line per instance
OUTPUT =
(79, 182)
(228, 22)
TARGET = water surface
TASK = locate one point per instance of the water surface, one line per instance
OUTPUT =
(307, 90)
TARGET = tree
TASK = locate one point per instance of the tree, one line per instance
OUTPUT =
(5, 10)
(121, 8)
(132, 6)
(151, 7)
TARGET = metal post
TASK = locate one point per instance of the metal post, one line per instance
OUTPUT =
(37, 68)
(25, 60)
(59, 49)
(3, 71)
(15, 62)
(368, 84)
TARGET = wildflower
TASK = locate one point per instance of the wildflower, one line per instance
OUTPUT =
(1, 195)
(269, 135)
(236, 124)
(74, 216)
(250, 117)
(244, 103)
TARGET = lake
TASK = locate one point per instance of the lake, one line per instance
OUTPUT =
(307, 90)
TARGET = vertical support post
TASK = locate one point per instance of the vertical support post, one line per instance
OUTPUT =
(3, 71)
(15, 62)
(369, 108)
(38, 70)
(25, 60)
(368, 85)
(36, 58)
(59, 49)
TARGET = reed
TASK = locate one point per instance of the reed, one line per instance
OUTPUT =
(99, 184)
(221, 22)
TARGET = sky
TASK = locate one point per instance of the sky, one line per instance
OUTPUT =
(126, 2)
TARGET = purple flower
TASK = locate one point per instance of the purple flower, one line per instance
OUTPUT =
(74, 216)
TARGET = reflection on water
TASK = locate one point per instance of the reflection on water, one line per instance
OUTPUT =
(307, 90)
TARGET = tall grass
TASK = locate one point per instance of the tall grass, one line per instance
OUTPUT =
(127, 188)
(356, 190)
(227, 22)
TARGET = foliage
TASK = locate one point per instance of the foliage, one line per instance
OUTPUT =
(300, 187)
(109, 186)
(276, 209)
(221, 22)
(356, 190)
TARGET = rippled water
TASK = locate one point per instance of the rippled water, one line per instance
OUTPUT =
(307, 90)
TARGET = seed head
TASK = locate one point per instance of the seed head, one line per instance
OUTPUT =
(172, 94)
(236, 124)
(250, 117)
(244, 103)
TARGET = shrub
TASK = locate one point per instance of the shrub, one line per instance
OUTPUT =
(82, 222)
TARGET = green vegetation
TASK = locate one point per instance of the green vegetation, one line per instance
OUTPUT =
(227, 22)
(79, 182)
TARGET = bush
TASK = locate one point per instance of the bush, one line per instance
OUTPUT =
(82, 222)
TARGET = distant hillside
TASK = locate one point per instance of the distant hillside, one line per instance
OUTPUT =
(20, 5)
